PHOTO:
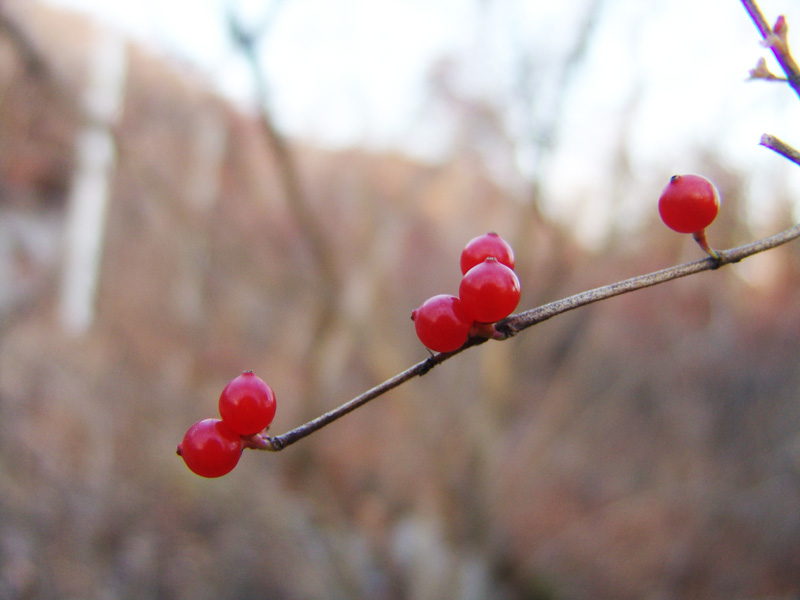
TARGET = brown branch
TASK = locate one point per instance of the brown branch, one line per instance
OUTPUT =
(776, 39)
(521, 321)
(33, 58)
(514, 324)
(761, 71)
(281, 441)
(781, 147)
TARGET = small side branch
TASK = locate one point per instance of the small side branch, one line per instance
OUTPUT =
(782, 148)
(776, 39)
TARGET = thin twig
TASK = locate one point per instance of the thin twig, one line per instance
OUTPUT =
(509, 327)
(281, 441)
(758, 18)
(521, 321)
(515, 323)
(776, 41)
(781, 147)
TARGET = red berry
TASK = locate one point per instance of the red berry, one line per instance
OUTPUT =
(482, 247)
(689, 203)
(247, 404)
(210, 448)
(489, 291)
(441, 323)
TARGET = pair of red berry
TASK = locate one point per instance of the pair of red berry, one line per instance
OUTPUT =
(489, 291)
(212, 447)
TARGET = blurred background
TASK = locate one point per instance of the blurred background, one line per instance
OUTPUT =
(191, 190)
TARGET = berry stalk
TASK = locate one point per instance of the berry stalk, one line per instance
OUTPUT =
(700, 238)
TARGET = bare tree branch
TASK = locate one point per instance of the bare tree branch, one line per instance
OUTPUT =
(776, 39)
(514, 324)
(781, 147)
(35, 62)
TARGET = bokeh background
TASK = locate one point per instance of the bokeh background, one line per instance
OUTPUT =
(644, 447)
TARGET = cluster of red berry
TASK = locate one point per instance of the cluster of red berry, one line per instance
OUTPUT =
(489, 291)
(212, 447)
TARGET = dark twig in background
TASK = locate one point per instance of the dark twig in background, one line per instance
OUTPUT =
(31, 55)
(287, 168)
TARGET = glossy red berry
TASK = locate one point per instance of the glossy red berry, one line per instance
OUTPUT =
(482, 247)
(489, 291)
(247, 404)
(441, 323)
(689, 203)
(210, 448)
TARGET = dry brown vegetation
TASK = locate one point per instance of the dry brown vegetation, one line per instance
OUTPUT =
(644, 447)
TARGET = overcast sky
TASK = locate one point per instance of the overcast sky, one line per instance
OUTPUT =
(349, 72)
(365, 60)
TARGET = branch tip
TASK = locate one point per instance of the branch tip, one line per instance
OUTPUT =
(781, 147)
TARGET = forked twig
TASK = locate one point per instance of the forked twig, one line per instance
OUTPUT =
(776, 39)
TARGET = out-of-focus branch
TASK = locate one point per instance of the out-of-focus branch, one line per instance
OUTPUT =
(542, 134)
(287, 171)
(545, 132)
(35, 62)
(514, 324)
(325, 291)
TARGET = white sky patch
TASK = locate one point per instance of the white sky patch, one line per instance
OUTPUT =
(354, 72)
